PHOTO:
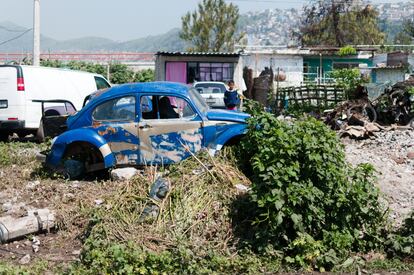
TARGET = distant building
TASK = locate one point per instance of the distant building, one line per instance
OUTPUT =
(321, 61)
(189, 67)
(288, 62)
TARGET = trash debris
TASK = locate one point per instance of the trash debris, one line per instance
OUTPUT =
(35, 221)
(35, 244)
(158, 192)
(375, 110)
(98, 202)
(123, 173)
(159, 189)
(242, 188)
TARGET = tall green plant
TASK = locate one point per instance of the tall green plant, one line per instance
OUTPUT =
(310, 203)
(349, 80)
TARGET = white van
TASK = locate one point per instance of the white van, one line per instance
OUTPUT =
(20, 85)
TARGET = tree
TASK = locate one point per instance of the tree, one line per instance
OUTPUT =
(406, 36)
(339, 23)
(213, 27)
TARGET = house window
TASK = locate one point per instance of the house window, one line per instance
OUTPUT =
(344, 65)
(209, 71)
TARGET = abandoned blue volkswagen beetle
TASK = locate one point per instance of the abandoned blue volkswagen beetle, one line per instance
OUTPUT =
(142, 124)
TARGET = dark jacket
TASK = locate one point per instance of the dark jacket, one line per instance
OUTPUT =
(231, 98)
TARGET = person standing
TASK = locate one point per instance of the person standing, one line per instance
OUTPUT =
(231, 97)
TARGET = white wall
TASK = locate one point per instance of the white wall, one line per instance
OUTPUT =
(392, 75)
(292, 65)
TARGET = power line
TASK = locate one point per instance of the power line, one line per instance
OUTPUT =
(16, 37)
(10, 30)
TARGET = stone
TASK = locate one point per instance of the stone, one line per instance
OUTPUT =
(25, 260)
(124, 173)
(410, 155)
(241, 188)
(98, 202)
(7, 206)
(32, 184)
(76, 252)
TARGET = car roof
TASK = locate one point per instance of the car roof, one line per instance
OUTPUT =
(209, 82)
(160, 87)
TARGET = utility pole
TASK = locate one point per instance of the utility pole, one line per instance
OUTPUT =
(36, 33)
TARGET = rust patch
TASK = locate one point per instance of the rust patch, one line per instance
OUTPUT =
(121, 159)
(96, 124)
(108, 130)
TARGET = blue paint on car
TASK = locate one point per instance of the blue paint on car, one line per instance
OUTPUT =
(133, 139)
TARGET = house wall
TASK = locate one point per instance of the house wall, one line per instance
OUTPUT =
(411, 61)
(387, 74)
(160, 72)
(313, 63)
(291, 65)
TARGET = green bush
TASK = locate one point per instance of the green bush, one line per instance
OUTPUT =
(309, 202)
(401, 243)
(349, 80)
(347, 50)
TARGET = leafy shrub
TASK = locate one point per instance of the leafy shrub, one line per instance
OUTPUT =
(401, 243)
(144, 76)
(347, 50)
(308, 200)
(113, 258)
(349, 80)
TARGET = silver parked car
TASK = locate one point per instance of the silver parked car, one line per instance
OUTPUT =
(212, 92)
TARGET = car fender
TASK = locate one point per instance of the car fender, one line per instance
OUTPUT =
(224, 136)
(80, 135)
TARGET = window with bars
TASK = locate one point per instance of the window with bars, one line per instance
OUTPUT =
(209, 71)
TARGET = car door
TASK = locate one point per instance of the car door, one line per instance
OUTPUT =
(116, 121)
(169, 131)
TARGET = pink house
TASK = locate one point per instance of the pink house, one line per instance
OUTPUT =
(189, 67)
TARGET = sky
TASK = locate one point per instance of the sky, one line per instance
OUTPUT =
(118, 20)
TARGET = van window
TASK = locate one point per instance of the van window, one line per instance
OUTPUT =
(101, 83)
(118, 109)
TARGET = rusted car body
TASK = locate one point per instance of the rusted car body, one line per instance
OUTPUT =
(143, 124)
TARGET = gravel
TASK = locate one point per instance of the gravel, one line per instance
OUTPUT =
(390, 152)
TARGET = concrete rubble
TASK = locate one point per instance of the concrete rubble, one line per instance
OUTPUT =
(392, 155)
(35, 221)
(123, 173)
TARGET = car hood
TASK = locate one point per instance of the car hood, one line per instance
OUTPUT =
(225, 115)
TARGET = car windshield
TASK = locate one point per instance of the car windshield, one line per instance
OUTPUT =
(198, 100)
(210, 88)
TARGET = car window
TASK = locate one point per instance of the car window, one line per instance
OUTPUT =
(210, 88)
(119, 109)
(198, 100)
(101, 83)
(165, 107)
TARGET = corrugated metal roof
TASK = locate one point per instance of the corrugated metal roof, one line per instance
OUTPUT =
(388, 67)
(331, 48)
(215, 54)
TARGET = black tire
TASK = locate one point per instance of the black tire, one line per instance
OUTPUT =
(4, 137)
(77, 158)
(411, 123)
(365, 110)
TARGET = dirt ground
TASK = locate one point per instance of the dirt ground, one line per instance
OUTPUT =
(24, 187)
(392, 155)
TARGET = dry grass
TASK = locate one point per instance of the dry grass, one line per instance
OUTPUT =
(195, 212)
